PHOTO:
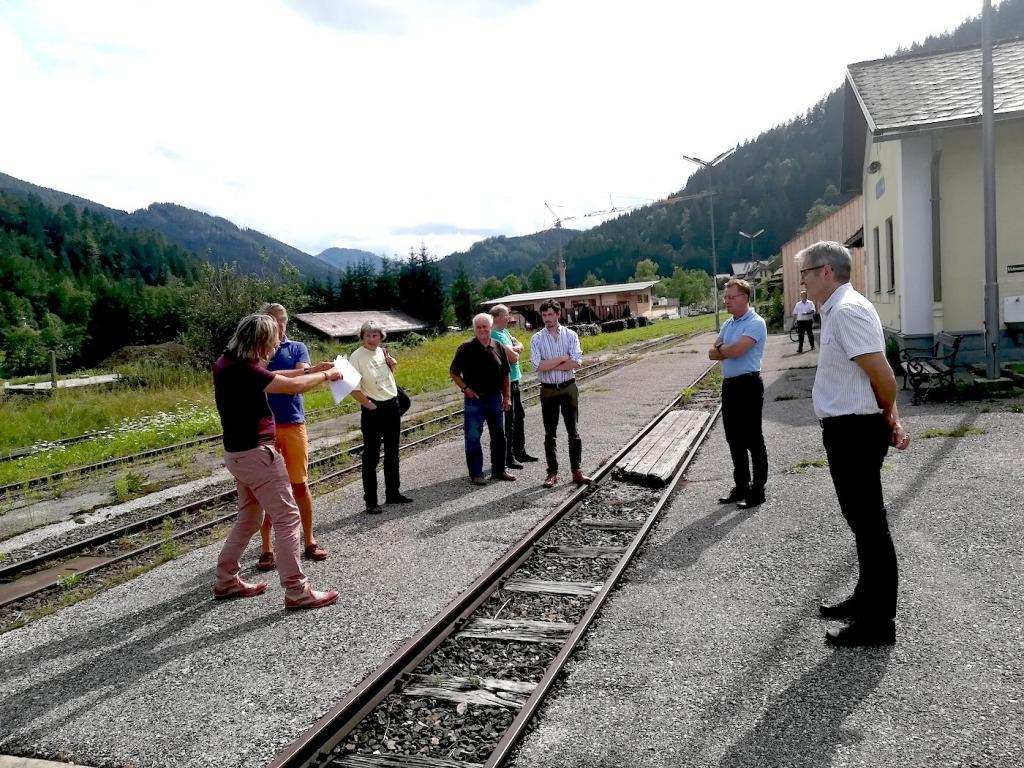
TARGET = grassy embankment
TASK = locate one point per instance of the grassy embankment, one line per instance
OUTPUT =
(169, 405)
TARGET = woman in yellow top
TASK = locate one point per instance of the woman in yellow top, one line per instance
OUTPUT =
(380, 417)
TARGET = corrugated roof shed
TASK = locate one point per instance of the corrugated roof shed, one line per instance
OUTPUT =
(571, 292)
(347, 324)
(910, 93)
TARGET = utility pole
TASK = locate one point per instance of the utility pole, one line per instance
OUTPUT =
(988, 151)
(753, 283)
(707, 165)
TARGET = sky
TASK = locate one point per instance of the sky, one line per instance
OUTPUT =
(381, 124)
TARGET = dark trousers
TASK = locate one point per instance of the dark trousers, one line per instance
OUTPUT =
(856, 446)
(564, 400)
(802, 327)
(515, 435)
(478, 411)
(742, 402)
(380, 425)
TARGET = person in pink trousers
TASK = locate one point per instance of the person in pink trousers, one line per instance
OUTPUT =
(240, 385)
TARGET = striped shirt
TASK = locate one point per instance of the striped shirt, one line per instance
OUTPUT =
(849, 327)
(547, 346)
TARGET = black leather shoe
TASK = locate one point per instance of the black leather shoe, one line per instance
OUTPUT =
(526, 458)
(374, 510)
(502, 476)
(398, 499)
(513, 464)
(478, 480)
(753, 499)
(862, 632)
(736, 494)
(846, 609)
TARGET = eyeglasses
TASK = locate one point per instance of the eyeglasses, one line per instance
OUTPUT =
(811, 269)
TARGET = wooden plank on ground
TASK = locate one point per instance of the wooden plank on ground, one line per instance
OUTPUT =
(351, 760)
(518, 629)
(641, 449)
(662, 459)
(48, 578)
(554, 587)
(483, 691)
(589, 553)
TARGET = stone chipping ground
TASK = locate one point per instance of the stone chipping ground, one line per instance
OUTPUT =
(711, 653)
(155, 673)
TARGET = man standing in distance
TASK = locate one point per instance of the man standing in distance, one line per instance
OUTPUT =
(855, 399)
(291, 359)
(480, 370)
(804, 314)
(555, 353)
(515, 434)
(380, 417)
(740, 346)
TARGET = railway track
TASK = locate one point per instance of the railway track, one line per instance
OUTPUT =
(13, 490)
(463, 690)
(114, 545)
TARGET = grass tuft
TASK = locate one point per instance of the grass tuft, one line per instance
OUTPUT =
(962, 431)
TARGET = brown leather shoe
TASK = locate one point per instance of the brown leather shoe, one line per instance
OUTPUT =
(503, 476)
(552, 478)
(314, 552)
(579, 478)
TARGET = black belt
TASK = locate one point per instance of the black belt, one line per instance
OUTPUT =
(751, 375)
(563, 385)
(382, 402)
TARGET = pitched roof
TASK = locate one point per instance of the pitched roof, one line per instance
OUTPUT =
(556, 294)
(902, 94)
(341, 324)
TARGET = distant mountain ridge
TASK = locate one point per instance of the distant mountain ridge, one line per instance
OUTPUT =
(211, 238)
(501, 256)
(342, 258)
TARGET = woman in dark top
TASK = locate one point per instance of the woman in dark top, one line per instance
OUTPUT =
(240, 385)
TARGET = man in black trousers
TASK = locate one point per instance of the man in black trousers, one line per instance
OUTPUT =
(855, 399)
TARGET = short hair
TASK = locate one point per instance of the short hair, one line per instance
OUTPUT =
(276, 311)
(499, 310)
(254, 338)
(554, 305)
(827, 252)
(372, 325)
(742, 285)
(484, 316)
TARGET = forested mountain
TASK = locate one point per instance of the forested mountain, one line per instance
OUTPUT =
(500, 256)
(212, 238)
(74, 282)
(770, 182)
(343, 258)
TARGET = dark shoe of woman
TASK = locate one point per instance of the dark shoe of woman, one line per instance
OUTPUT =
(314, 552)
(266, 562)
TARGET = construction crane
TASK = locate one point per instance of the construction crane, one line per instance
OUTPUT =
(560, 264)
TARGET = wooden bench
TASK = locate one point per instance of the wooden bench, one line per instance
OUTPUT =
(933, 369)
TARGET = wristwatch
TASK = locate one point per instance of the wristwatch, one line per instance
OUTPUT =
(305, 370)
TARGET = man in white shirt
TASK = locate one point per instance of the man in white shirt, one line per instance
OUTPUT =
(854, 397)
(804, 314)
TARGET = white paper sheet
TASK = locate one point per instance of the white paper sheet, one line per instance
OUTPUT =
(349, 380)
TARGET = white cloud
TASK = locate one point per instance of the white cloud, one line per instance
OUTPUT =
(352, 124)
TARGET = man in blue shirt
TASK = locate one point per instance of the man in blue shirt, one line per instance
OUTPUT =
(740, 346)
(291, 359)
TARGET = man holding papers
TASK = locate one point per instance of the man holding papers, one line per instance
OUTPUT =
(380, 417)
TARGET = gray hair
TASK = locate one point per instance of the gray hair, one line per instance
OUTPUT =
(485, 316)
(372, 325)
(827, 252)
(276, 311)
(255, 338)
(499, 310)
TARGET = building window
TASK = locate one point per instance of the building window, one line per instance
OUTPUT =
(878, 263)
(890, 249)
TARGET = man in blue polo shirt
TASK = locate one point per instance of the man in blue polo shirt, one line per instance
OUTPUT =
(740, 346)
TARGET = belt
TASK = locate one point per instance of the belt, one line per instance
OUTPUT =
(383, 402)
(742, 376)
(563, 385)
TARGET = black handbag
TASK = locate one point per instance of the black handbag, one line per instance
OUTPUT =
(404, 403)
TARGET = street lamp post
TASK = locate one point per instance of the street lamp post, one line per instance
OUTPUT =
(752, 238)
(708, 165)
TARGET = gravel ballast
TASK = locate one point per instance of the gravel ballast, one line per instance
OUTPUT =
(155, 673)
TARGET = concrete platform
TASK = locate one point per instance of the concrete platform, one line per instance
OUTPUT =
(155, 673)
(712, 654)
